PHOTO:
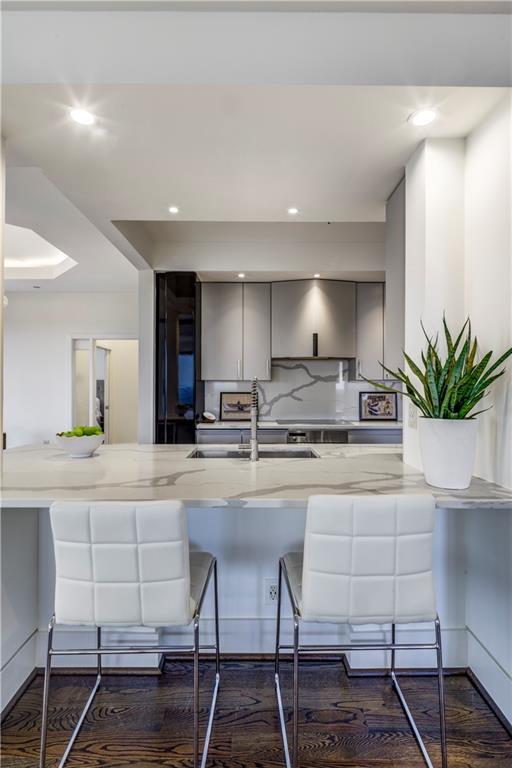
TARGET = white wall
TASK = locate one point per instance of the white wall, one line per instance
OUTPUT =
(2, 219)
(434, 260)
(394, 255)
(37, 370)
(488, 199)
(459, 258)
(489, 276)
(340, 247)
(124, 390)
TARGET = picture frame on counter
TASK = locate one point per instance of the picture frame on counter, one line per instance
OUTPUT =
(378, 406)
(235, 406)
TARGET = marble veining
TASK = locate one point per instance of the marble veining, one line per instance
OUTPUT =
(34, 476)
(312, 389)
(266, 403)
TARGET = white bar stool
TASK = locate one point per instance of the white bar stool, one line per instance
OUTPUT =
(121, 564)
(366, 560)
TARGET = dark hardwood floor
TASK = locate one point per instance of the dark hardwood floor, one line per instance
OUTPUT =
(352, 722)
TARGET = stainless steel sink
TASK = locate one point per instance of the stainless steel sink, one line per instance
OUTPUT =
(242, 453)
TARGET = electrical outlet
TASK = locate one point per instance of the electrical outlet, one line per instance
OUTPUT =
(413, 416)
(270, 591)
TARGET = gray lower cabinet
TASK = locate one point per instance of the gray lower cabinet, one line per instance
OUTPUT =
(370, 330)
(375, 436)
(302, 308)
(221, 331)
(240, 436)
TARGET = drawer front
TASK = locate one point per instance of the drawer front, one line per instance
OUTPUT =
(218, 436)
(267, 436)
(375, 436)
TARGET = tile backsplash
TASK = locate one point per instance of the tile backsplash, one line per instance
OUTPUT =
(309, 389)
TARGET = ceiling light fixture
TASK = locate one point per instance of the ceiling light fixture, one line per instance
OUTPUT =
(241, 274)
(174, 209)
(317, 274)
(293, 211)
(422, 117)
(82, 116)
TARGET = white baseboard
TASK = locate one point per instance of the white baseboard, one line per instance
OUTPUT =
(496, 681)
(17, 670)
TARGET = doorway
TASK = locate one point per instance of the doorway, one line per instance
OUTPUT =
(105, 386)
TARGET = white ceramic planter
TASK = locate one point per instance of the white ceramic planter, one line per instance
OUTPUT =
(79, 447)
(448, 449)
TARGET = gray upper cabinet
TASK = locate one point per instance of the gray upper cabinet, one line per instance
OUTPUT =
(370, 330)
(235, 331)
(256, 331)
(302, 308)
(221, 331)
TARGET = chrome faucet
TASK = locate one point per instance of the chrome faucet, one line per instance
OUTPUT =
(254, 420)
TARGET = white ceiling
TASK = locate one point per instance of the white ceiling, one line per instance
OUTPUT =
(33, 202)
(126, 42)
(263, 250)
(28, 256)
(233, 116)
(230, 153)
(222, 154)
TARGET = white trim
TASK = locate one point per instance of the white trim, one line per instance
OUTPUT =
(70, 369)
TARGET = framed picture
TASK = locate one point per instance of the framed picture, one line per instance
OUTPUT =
(378, 406)
(235, 406)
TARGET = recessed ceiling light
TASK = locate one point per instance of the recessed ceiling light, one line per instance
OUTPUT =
(317, 274)
(82, 116)
(241, 274)
(174, 209)
(293, 211)
(422, 117)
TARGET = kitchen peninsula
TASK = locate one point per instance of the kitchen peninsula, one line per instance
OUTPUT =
(39, 475)
(256, 511)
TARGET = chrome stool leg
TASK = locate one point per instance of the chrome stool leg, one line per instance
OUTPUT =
(278, 625)
(440, 684)
(211, 716)
(282, 723)
(85, 710)
(392, 646)
(217, 633)
(295, 692)
(196, 692)
(46, 692)
(405, 706)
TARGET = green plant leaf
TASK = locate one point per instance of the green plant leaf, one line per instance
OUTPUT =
(453, 384)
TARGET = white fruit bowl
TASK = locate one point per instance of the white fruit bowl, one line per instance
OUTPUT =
(79, 447)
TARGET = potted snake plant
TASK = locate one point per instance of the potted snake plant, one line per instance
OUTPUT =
(451, 385)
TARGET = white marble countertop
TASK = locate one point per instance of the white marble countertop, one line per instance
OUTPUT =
(35, 476)
(302, 425)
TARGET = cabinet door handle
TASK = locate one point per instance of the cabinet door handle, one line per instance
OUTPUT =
(315, 345)
(268, 367)
(239, 368)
